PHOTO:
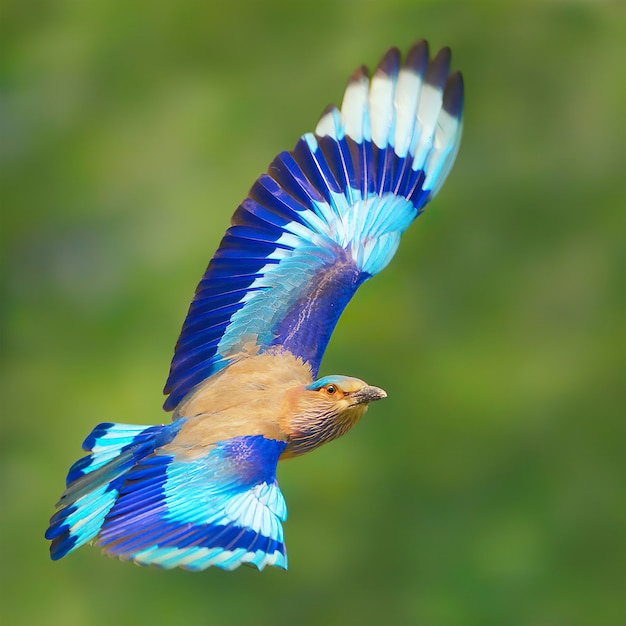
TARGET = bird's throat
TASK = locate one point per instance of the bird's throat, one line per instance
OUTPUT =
(307, 432)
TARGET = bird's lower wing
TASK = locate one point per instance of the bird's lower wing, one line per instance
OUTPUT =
(326, 217)
(197, 509)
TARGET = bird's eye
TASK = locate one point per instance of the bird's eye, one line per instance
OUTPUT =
(330, 389)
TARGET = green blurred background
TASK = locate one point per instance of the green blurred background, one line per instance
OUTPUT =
(488, 489)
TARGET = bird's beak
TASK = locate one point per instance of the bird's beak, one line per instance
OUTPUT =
(368, 394)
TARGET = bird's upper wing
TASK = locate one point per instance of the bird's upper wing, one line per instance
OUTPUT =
(220, 507)
(324, 218)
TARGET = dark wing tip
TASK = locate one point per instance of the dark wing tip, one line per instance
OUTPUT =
(360, 73)
(453, 95)
(390, 63)
(439, 68)
(329, 109)
(417, 57)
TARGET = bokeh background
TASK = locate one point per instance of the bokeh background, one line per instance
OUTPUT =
(488, 489)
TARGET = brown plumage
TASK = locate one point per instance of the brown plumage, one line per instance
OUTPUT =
(266, 394)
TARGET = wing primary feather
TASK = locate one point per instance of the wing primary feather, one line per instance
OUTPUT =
(381, 98)
(329, 123)
(335, 206)
(354, 106)
(333, 156)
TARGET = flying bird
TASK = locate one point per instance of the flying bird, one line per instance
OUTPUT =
(201, 490)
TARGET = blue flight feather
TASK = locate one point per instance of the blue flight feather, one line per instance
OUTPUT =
(93, 481)
(221, 506)
(326, 217)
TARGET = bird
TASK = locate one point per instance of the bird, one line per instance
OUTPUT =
(244, 387)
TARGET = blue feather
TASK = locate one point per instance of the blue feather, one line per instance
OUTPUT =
(223, 508)
(93, 482)
(326, 217)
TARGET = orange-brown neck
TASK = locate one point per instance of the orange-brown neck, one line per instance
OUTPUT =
(311, 422)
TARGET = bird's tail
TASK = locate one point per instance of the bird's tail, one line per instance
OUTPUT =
(93, 482)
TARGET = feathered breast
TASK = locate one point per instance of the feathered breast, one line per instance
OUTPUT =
(314, 421)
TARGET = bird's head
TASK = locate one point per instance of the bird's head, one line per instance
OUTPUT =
(343, 392)
(325, 410)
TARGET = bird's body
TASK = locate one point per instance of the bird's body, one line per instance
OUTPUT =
(265, 394)
(202, 490)
(251, 396)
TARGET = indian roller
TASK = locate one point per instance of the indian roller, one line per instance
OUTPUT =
(201, 490)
